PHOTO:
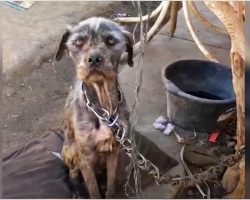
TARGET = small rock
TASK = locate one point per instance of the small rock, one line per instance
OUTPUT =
(118, 15)
(9, 91)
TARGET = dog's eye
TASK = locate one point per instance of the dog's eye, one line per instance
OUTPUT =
(79, 42)
(111, 41)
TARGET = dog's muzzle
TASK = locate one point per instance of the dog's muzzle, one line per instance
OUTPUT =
(95, 60)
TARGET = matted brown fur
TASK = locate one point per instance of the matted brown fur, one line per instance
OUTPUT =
(95, 45)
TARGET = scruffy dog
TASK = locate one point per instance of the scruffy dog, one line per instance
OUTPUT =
(96, 46)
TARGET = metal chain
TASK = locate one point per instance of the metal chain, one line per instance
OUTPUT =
(212, 173)
(120, 134)
(147, 165)
(233, 159)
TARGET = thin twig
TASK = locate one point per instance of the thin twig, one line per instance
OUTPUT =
(193, 34)
(207, 23)
(189, 172)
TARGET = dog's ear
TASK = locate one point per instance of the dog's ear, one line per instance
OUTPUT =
(62, 46)
(130, 43)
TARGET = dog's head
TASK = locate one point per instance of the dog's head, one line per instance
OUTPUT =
(96, 46)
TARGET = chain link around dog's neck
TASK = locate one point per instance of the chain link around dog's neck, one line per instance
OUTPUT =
(102, 113)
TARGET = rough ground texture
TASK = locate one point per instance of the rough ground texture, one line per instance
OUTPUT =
(35, 92)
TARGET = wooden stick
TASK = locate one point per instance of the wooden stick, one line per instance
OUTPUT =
(193, 34)
(173, 17)
(210, 25)
(239, 7)
(234, 24)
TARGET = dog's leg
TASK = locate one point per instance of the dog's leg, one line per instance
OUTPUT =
(89, 178)
(69, 154)
(112, 161)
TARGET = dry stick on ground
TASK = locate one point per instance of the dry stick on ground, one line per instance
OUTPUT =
(234, 24)
(197, 13)
(193, 34)
(189, 172)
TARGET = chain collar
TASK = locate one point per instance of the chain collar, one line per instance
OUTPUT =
(101, 113)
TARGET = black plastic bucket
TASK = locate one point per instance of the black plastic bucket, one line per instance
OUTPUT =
(198, 93)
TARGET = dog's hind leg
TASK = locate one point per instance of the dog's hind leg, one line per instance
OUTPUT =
(112, 161)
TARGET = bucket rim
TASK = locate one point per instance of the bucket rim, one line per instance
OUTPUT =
(172, 88)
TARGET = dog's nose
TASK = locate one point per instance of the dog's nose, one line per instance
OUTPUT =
(95, 60)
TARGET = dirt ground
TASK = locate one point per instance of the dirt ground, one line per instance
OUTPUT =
(34, 103)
